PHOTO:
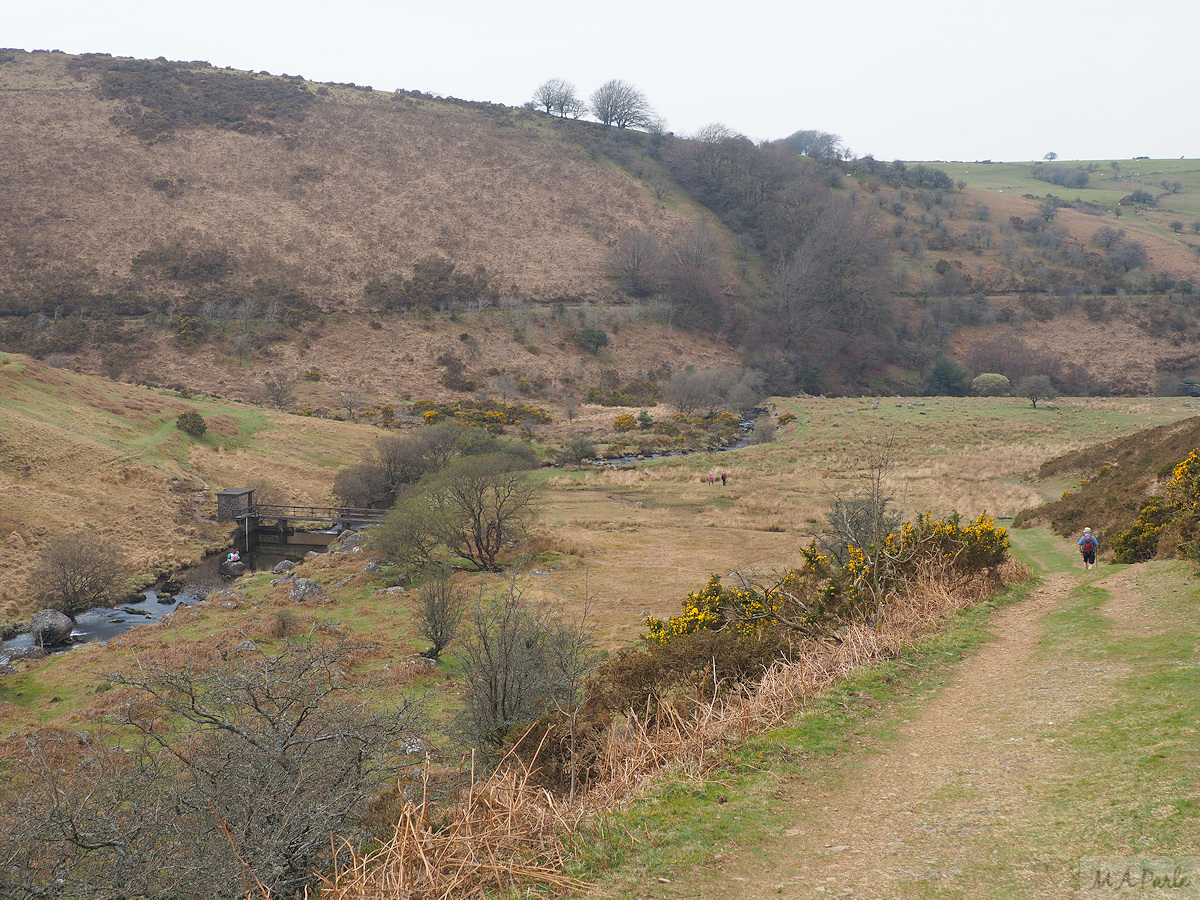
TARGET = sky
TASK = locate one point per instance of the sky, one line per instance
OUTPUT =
(916, 80)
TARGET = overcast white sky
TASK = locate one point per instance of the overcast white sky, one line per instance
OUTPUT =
(916, 80)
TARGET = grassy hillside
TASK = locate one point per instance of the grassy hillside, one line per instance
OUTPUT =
(1111, 481)
(1107, 198)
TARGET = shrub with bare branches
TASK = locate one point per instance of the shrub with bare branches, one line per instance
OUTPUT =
(237, 773)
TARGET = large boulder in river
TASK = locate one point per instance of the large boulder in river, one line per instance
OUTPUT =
(51, 627)
(307, 589)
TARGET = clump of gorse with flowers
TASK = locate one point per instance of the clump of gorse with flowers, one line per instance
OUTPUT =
(822, 595)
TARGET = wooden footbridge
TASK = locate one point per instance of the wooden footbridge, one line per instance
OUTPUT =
(314, 526)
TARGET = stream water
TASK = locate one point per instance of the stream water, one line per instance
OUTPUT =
(103, 624)
(633, 459)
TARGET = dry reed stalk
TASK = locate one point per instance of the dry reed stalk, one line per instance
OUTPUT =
(500, 831)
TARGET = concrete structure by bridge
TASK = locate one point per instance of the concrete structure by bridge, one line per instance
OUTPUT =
(311, 526)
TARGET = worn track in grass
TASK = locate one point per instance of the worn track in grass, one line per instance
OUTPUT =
(928, 807)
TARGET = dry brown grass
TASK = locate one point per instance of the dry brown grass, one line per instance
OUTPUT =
(401, 181)
(82, 452)
(656, 531)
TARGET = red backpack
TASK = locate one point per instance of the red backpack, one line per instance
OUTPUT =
(1089, 543)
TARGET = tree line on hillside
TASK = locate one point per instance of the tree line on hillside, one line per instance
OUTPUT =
(616, 102)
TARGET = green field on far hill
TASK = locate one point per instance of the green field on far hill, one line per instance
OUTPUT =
(1106, 187)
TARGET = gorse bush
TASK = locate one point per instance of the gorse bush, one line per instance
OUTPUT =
(1176, 512)
(490, 414)
(822, 594)
(75, 572)
(625, 422)
(714, 608)
(191, 422)
(1139, 542)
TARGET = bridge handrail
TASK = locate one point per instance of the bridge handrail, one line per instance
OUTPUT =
(314, 513)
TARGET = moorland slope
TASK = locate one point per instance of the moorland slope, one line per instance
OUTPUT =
(179, 224)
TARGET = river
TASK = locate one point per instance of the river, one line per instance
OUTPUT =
(103, 624)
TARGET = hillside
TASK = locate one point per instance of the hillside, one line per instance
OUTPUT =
(78, 450)
(354, 185)
(173, 223)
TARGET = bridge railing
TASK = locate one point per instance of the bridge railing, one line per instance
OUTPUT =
(317, 513)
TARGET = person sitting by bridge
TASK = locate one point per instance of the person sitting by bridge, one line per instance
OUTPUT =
(233, 557)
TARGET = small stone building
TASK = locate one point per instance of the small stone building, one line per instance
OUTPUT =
(233, 503)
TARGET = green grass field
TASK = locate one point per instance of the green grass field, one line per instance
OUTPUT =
(1106, 186)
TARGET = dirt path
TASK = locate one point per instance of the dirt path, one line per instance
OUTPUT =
(920, 814)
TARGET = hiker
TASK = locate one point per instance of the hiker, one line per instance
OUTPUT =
(723, 479)
(1087, 547)
(710, 478)
(234, 556)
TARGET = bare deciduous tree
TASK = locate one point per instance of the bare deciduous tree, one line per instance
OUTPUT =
(244, 769)
(836, 277)
(712, 390)
(863, 515)
(520, 661)
(408, 535)
(483, 505)
(574, 656)
(621, 104)
(577, 449)
(636, 263)
(276, 749)
(276, 388)
(84, 820)
(78, 571)
(440, 607)
(351, 396)
(557, 97)
(693, 275)
(475, 508)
